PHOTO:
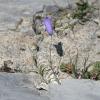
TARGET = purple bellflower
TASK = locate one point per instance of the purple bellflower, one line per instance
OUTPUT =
(48, 25)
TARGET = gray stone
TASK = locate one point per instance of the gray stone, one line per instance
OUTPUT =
(18, 87)
(75, 90)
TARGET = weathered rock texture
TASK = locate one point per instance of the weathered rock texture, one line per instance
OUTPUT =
(17, 39)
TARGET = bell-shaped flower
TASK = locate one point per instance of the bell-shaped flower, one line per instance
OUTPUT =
(48, 25)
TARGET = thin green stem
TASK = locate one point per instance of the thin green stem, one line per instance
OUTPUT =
(60, 59)
(51, 63)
